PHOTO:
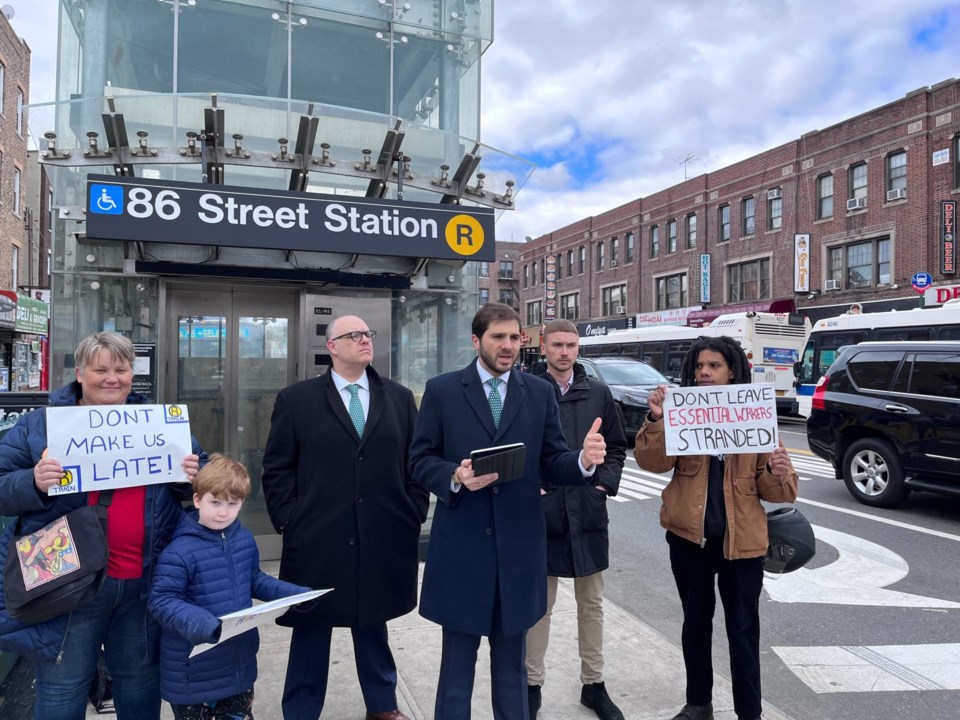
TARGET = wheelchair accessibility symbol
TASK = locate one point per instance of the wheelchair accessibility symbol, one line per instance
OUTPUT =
(106, 199)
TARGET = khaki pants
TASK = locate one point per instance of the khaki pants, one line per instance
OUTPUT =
(589, 594)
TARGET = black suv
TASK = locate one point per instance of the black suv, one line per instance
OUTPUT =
(887, 416)
(630, 382)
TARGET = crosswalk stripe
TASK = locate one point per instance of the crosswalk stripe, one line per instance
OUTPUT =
(634, 494)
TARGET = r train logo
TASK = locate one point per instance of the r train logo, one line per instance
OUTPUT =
(464, 235)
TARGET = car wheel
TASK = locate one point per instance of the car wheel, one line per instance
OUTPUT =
(873, 474)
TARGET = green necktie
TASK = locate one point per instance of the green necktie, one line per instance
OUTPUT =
(356, 409)
(496, 403)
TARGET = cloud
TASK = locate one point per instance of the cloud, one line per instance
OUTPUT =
(643, 85)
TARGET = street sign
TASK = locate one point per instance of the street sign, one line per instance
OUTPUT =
(921, 281)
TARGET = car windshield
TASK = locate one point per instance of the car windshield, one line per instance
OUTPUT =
(630, 373)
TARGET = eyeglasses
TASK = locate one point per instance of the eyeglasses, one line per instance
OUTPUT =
(357, 335)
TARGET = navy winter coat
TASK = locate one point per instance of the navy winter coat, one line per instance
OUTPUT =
(202, 575)
(20, 451)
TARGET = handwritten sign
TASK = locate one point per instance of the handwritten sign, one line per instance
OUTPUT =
(243, 620)
(113, 446)
(723, 419)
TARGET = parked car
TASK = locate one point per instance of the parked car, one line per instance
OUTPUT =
(887, 416)
(631, 382)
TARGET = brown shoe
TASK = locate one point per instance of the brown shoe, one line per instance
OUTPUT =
(388, 715)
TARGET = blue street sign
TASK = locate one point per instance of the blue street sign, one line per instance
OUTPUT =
(921, 281)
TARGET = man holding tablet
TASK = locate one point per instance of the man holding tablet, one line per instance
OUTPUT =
(486, 563)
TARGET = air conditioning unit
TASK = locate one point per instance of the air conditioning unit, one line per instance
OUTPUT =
(613, 263)
(831, 284)
(898, 194)
(773, 194)
(621, 309)
(856, 203)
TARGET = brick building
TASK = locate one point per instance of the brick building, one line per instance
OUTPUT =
(841, 215)
(14, 96)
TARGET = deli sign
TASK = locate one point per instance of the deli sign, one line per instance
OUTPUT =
(948, 237)
(162, 211)
(940, 294)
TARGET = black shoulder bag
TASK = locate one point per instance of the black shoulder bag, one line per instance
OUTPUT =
(57, 568)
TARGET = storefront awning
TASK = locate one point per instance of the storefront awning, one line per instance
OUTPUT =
(700, 318)
(23, 313)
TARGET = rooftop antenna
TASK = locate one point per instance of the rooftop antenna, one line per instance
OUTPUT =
(685, 162)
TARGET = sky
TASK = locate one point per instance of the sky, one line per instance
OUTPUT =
(608, 97)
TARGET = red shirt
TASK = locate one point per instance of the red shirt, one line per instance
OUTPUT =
(125, 531)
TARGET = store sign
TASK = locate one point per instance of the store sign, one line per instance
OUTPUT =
(705, 278)
(160, 211)
(940, 294)
(801, 266)
(948, 237)
(29, 315)
(940, 157)
(674, 316)
(602, 327)
(550, 289)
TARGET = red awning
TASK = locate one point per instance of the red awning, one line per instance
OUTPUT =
(699, 318)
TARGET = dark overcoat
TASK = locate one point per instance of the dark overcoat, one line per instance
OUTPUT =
(348, 510)
(488, 547)
(578, 542)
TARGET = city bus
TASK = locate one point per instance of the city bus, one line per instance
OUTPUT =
(772, 341)
(831, 334)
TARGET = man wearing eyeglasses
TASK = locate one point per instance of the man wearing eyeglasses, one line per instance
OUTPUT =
(337, 488)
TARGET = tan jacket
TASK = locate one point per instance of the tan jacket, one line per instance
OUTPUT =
(745, 482)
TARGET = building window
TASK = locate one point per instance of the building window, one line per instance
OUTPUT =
(484, 296)
(582, 259)
(748, 211)
(672, 236)
(508, 298)
(896, 173)
(824, 197)
(774, 210)
(535, 312)
(614, 299)
(956, 161)
(614, 251)
(628, 248)
(858, 181)
(3, 72)
(534, 264)
(506, 269)
(672, 292)
(569, 263)
(601, 250)
(723, 220)
(19, 111)
(526, 276)
(570, 306)
(749, 280)
(543, 269)
(484, 269)
(15, 261)
(16, 191)
(654, 241)
(861, 265)
(691, 231)
(559, 264)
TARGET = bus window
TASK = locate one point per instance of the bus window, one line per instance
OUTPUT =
(806, 365)
(653, 354)
(949, 333)
(631, 350)
(830, 344)
(591, 351)
(610, 350)
(906, 333)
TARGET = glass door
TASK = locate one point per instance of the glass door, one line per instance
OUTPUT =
(230, 350)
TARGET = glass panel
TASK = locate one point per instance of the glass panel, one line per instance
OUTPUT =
(201, 369)
(936, 374)
(874, 370)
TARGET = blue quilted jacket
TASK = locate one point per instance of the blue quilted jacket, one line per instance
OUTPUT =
(202, 575)
(20, 451)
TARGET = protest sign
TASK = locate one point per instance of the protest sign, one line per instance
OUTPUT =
(113, 446)
(243, 620)
(720, 419)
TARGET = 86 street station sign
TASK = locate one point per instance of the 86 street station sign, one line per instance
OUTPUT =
(161, 211)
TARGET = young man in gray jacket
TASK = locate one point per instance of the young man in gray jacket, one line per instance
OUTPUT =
(576, 518)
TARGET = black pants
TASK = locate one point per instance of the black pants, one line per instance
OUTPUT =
(740, 582)
(235, 707)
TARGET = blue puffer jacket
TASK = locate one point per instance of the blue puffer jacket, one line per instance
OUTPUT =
(20, 451)
(202, 575)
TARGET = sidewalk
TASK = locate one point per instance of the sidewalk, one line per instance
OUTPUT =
(644, 670)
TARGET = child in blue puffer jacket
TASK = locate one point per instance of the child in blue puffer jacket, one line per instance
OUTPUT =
(211, 568)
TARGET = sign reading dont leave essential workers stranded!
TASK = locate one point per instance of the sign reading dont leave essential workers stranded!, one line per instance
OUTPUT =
(720, 419)
(102, 447)
(164, 211)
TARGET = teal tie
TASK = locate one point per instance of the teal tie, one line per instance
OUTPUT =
(496, 403)
(356, 409)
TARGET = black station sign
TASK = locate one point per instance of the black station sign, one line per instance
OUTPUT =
(163, 211)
